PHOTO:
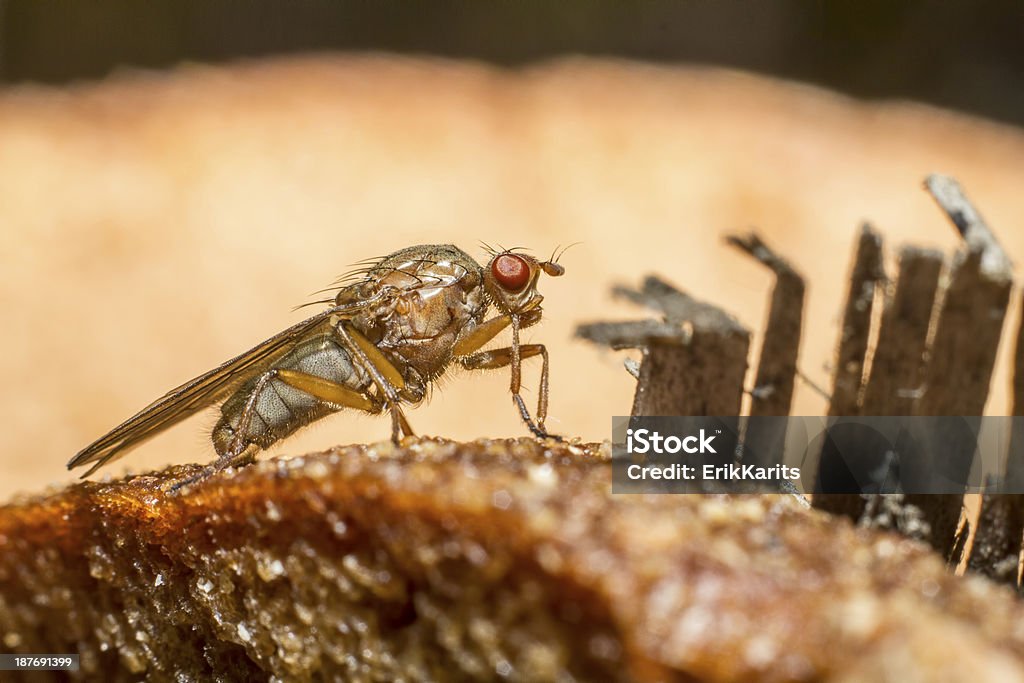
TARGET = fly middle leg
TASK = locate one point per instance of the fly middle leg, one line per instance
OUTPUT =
(385, 376)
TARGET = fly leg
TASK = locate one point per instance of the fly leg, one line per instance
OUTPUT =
(246, 456)
(468, 356)
(239, 453)
(328, 391)
(384, 374)
(489, 329)
(499, 358)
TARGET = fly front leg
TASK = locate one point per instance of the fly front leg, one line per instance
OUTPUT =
(385, 376)
(489, 329)
(467, 355)
(499, 358)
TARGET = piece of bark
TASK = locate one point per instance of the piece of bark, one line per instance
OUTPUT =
(679, 307)
(1018, 367)
(634, 334)
(977, 236)
(856, 326)
(702, 377)
(895, 379)
(497, 558)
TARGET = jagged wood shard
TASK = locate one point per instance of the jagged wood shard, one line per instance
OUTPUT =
(772, 393)
(963, 353)
(851, 355)
(970, 322)
(694, 360)
(855, 331)
(777, 362)
(634, 334)
(895, 380)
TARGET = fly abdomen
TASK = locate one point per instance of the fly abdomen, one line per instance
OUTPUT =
(278, 409)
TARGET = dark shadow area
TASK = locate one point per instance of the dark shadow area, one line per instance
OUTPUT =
(953, 54)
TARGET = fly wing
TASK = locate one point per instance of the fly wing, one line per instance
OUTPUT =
(199, 393)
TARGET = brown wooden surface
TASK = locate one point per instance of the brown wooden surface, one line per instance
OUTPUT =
(777, 362)
(855, 329)
(865, 276)
(963, 352)
(449, 561)
(702, 375)
(895, 380)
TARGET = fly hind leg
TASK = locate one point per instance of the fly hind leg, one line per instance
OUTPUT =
(240, 452)
(246, 456)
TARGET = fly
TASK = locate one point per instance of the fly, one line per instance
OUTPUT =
(403, 321)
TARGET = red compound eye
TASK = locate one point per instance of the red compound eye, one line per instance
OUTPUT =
(511, 271)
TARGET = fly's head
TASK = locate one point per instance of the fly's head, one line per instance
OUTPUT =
(511, 280)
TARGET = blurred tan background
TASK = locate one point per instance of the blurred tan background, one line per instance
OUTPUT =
(155, 224)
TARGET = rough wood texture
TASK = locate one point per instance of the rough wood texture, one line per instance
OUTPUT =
(894, 383)
(776, 365)
(963, 352)
(996, 549)
(702, 377)
(447, 561)
(1018, 368)
(1015, 457)
(854, 334)
(971, 319)
(966, 340)
(693, 361)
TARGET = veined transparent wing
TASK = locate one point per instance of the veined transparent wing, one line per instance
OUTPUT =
(201, 392)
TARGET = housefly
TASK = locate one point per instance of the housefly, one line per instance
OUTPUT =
(396, 325)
